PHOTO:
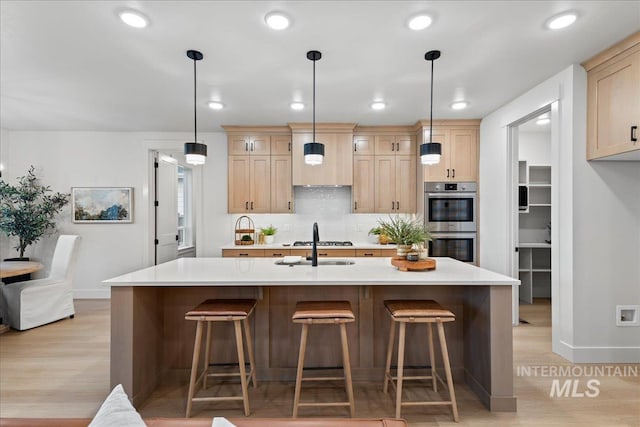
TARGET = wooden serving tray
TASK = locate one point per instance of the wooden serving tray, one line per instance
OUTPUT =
(420, 265)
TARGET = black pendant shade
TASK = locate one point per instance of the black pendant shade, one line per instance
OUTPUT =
(195, 153)
(314, 151)
(431, 151)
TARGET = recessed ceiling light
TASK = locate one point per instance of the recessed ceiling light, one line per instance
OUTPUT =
(297, 106)
(562, 20)
(133, 18)
(378, 105)
(277, 20)
(419, 22)
(459, 105)
(216, 105)
(542, 121)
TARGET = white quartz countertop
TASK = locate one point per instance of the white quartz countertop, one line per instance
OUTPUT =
(289, 245)
(265, 272)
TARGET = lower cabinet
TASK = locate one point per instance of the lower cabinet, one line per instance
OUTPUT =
(306, 252)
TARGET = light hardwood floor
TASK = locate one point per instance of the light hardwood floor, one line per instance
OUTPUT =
(62, 370)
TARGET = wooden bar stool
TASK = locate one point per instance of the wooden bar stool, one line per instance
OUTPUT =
(419, 311)
(222, 310)
(324, 312)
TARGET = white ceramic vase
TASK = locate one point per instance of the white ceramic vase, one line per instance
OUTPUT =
(268, 240)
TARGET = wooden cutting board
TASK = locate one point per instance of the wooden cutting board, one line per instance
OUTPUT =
(420, 265)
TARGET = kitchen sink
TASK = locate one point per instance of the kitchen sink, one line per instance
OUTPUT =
(320, 262)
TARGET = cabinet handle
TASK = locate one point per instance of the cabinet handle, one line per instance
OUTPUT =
(634, 133)
(323, 254)
(246, 146)
(397, 146)
(289, 205)
(246, 205)
(289, 147)
(393, 205)
(274, 254)
(393, 147)
(251, 146)
(453, 174)
(397, 205)
(251, 205)
(355, 208)
(243, 254)
(447, 173)
(355, 147)
(368, 254)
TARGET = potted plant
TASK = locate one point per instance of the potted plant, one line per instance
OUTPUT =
(27, 210)
(269, 234)
(405, 232)
(381, 238)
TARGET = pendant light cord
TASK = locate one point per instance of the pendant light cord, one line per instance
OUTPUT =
(195, 114)
(431, 112)
(314, 101)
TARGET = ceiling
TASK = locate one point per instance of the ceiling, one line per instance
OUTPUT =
(73, 65)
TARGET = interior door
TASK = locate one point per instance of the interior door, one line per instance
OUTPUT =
(166, 208)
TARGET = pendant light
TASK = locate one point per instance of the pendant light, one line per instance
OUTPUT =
(314, 151)
(195, 153)
(430, 152)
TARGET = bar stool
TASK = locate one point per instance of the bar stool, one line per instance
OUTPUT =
(222, 310)
(419, 311)
(324, 312)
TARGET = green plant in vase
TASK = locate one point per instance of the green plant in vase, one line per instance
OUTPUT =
(405, 232)
(269, 234)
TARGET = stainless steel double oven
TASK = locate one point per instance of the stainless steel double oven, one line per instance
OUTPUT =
(451, 214)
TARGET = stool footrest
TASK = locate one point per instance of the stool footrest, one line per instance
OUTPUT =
(428, 403)
(323, 379)
(324, 404)
(218, 398)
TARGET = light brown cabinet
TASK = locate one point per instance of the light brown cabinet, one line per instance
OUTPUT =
(395, 145)
(459, 160)
(363, 145)
(613, 101)
(337, 165)
(363, 191)
(249, 184)
(395, 184)
(244, 253)
(259, 170)
(306, 252)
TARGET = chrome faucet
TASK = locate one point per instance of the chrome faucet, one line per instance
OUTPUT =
(314, 246)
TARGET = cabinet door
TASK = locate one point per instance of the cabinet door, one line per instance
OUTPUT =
(406, 184)
(238, 145)
(239, 183)
(613, 107)
(385, 144)
(337, 165)
(385, 184)
(363, 184)
(463, 155)
(406, 145)
(281, 145)
(244, 253)
(363, 145)
(442, 170)
(281, 190)
(260, 187)
(368, 253)
(276, 253)
(260, 145)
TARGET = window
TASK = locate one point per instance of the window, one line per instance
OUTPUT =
(185, 210)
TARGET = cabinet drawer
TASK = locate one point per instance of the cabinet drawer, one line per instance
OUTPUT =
(245, 253)
(277, 253)
(368, 252)
(388, 252)
(322, 252)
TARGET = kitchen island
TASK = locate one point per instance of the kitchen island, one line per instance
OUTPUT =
(150, 339)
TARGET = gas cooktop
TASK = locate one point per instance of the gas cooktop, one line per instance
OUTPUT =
(322, 243)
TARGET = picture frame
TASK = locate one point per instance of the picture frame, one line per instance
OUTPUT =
(112, 205)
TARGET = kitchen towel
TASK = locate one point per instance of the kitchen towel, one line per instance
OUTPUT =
(222, 422)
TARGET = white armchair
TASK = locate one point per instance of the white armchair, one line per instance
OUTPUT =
(37, 302)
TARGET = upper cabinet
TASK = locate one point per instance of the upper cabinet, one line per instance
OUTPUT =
(613, 102)
(337, 165)
(384, 170)
(259, 170)
(459, 160)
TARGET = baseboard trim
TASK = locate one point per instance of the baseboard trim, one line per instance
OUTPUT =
(581, 354)
(92, 294)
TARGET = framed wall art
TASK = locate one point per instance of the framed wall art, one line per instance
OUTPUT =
(102, 204)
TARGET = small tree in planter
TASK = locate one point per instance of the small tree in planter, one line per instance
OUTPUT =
(27, 209)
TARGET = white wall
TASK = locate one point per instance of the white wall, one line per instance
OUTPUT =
(596, 231)
(535, 147)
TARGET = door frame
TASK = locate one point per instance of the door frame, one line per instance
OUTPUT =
(512, 202)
